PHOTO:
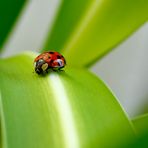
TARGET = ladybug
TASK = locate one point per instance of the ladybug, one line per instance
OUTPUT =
(49, 60)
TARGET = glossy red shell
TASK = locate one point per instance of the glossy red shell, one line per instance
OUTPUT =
(50, 58)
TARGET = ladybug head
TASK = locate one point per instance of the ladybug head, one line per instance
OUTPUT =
(40, 66)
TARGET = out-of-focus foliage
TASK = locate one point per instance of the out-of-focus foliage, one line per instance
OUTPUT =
(102, 25)
(9, 11)
(141, 124)
(141, 127)
(69, 15)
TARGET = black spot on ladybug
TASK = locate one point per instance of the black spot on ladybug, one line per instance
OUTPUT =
(51, 52)
(58, 57)
(51, 61)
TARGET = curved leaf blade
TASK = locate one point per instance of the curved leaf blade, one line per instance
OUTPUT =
(70, 12)
(141, 124)
(67, 109)
(111, 23)
(97, 29)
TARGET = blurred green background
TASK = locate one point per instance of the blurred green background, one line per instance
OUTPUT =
(104, 38)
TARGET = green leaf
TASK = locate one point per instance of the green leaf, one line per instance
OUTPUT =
(9, 11)
(68, 17)
(103, 25)
(141, 124)
(71, 108)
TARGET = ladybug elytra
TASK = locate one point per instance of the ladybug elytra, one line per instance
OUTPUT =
(49, 60)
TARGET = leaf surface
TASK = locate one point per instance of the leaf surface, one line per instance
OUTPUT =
(71, 108)
(141, 124)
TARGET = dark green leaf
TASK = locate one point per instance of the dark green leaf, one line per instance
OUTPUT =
(141, 124)
(9, 11)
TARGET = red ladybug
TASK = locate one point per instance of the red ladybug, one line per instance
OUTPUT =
(49, 60)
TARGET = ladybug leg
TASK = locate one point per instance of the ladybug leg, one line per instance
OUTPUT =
(60, 69)
(54, 69)
(57, 69)
(46, 71)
